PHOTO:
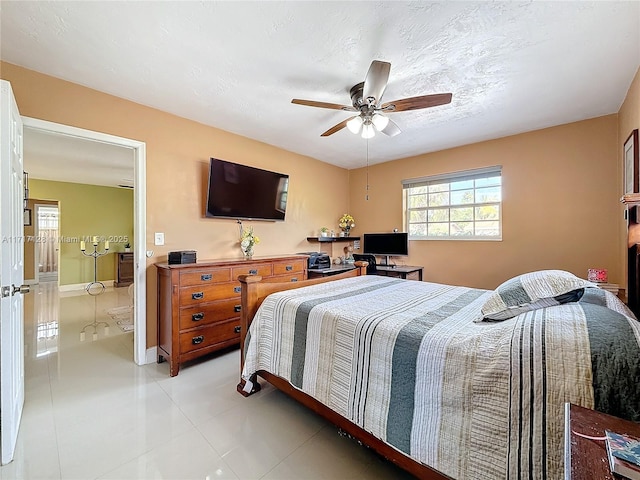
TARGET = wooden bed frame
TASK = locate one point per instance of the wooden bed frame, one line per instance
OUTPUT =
(253, 294)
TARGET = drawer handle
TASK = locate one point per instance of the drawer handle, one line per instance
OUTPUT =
(197, 340)
(237, 289)
(205, 277)
(196, 317)
(294, 279)
(197, 296)
(237, 308)
(236, 329)
(253, 272)
(288, 268)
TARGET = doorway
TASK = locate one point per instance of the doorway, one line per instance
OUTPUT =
(46, 242)
(141, 356)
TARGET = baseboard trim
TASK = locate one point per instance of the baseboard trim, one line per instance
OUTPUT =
(81, 286)
(151, 355)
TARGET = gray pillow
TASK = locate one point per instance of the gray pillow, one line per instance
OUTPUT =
(531, 291)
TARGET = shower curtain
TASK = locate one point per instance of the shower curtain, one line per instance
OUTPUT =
(47, 240)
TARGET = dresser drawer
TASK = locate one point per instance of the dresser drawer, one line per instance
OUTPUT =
(206, 313)
(210, 335)
(209, 293)
(262, 269)
(203, 277)
(286, 268)
(294, 277)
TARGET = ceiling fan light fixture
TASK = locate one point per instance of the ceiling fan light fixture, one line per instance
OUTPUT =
(354, 125)
(366, 100)
(380, 121)
(368, 131)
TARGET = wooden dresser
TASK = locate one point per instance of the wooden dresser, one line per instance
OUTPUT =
(124, 269)
(199, 303)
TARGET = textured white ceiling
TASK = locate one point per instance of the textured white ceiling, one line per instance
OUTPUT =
(511, 66)
(65, 158)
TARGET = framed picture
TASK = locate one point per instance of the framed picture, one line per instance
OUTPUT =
(27, 217)
(631, 163)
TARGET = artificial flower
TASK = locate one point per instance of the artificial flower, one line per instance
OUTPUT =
(346, 222)
(248, 239)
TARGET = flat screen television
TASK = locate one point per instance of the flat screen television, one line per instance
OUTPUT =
(386, 244)
(245, 193)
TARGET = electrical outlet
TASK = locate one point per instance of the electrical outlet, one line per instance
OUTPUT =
(159, 239)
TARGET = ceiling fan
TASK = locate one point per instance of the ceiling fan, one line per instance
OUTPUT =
(366, 98)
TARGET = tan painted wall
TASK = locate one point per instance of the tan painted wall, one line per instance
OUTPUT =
(177, 156)
(87, 210)
(560, 204)
(628, 120)
(629, 116)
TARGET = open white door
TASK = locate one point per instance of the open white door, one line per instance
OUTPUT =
(11, 273)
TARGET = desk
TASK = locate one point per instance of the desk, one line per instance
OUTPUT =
(326, 272)
(584, 458)
(406, 272)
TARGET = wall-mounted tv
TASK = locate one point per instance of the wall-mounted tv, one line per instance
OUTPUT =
(246, 193)
(386, 244)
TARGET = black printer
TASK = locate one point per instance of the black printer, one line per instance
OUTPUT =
(318, 260)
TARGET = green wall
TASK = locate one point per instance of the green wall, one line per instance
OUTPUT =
(87, 210)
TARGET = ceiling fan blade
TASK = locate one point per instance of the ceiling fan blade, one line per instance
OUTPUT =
(376, 80)
(333, 106)
(391, 130)
(416, 103)
(337, 127)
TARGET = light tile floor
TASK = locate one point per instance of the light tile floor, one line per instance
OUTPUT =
(91, 413)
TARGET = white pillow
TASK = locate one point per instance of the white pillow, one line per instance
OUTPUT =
(530, 291)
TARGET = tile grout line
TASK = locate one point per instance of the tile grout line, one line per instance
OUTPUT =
(295, 450)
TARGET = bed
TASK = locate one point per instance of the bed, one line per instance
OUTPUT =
(447, 381)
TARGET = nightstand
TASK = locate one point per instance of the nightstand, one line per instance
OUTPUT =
(584, 458)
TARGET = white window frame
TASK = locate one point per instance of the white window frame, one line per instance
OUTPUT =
(475, 174)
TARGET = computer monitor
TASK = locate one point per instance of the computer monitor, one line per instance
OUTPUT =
(394, 244)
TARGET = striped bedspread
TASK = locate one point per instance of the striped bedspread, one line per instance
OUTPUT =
(406, 361)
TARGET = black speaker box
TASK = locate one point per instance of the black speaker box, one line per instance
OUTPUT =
(183, 256)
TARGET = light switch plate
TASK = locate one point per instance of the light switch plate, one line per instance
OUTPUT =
(159, 239)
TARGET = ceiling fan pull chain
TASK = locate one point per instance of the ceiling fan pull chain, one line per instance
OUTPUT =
(367, 194)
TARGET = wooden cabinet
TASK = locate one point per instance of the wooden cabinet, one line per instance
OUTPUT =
(199, 303)
(633, 279)
(124, 269)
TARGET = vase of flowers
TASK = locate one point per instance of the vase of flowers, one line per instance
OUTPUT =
(247, 241)
(346, 223)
